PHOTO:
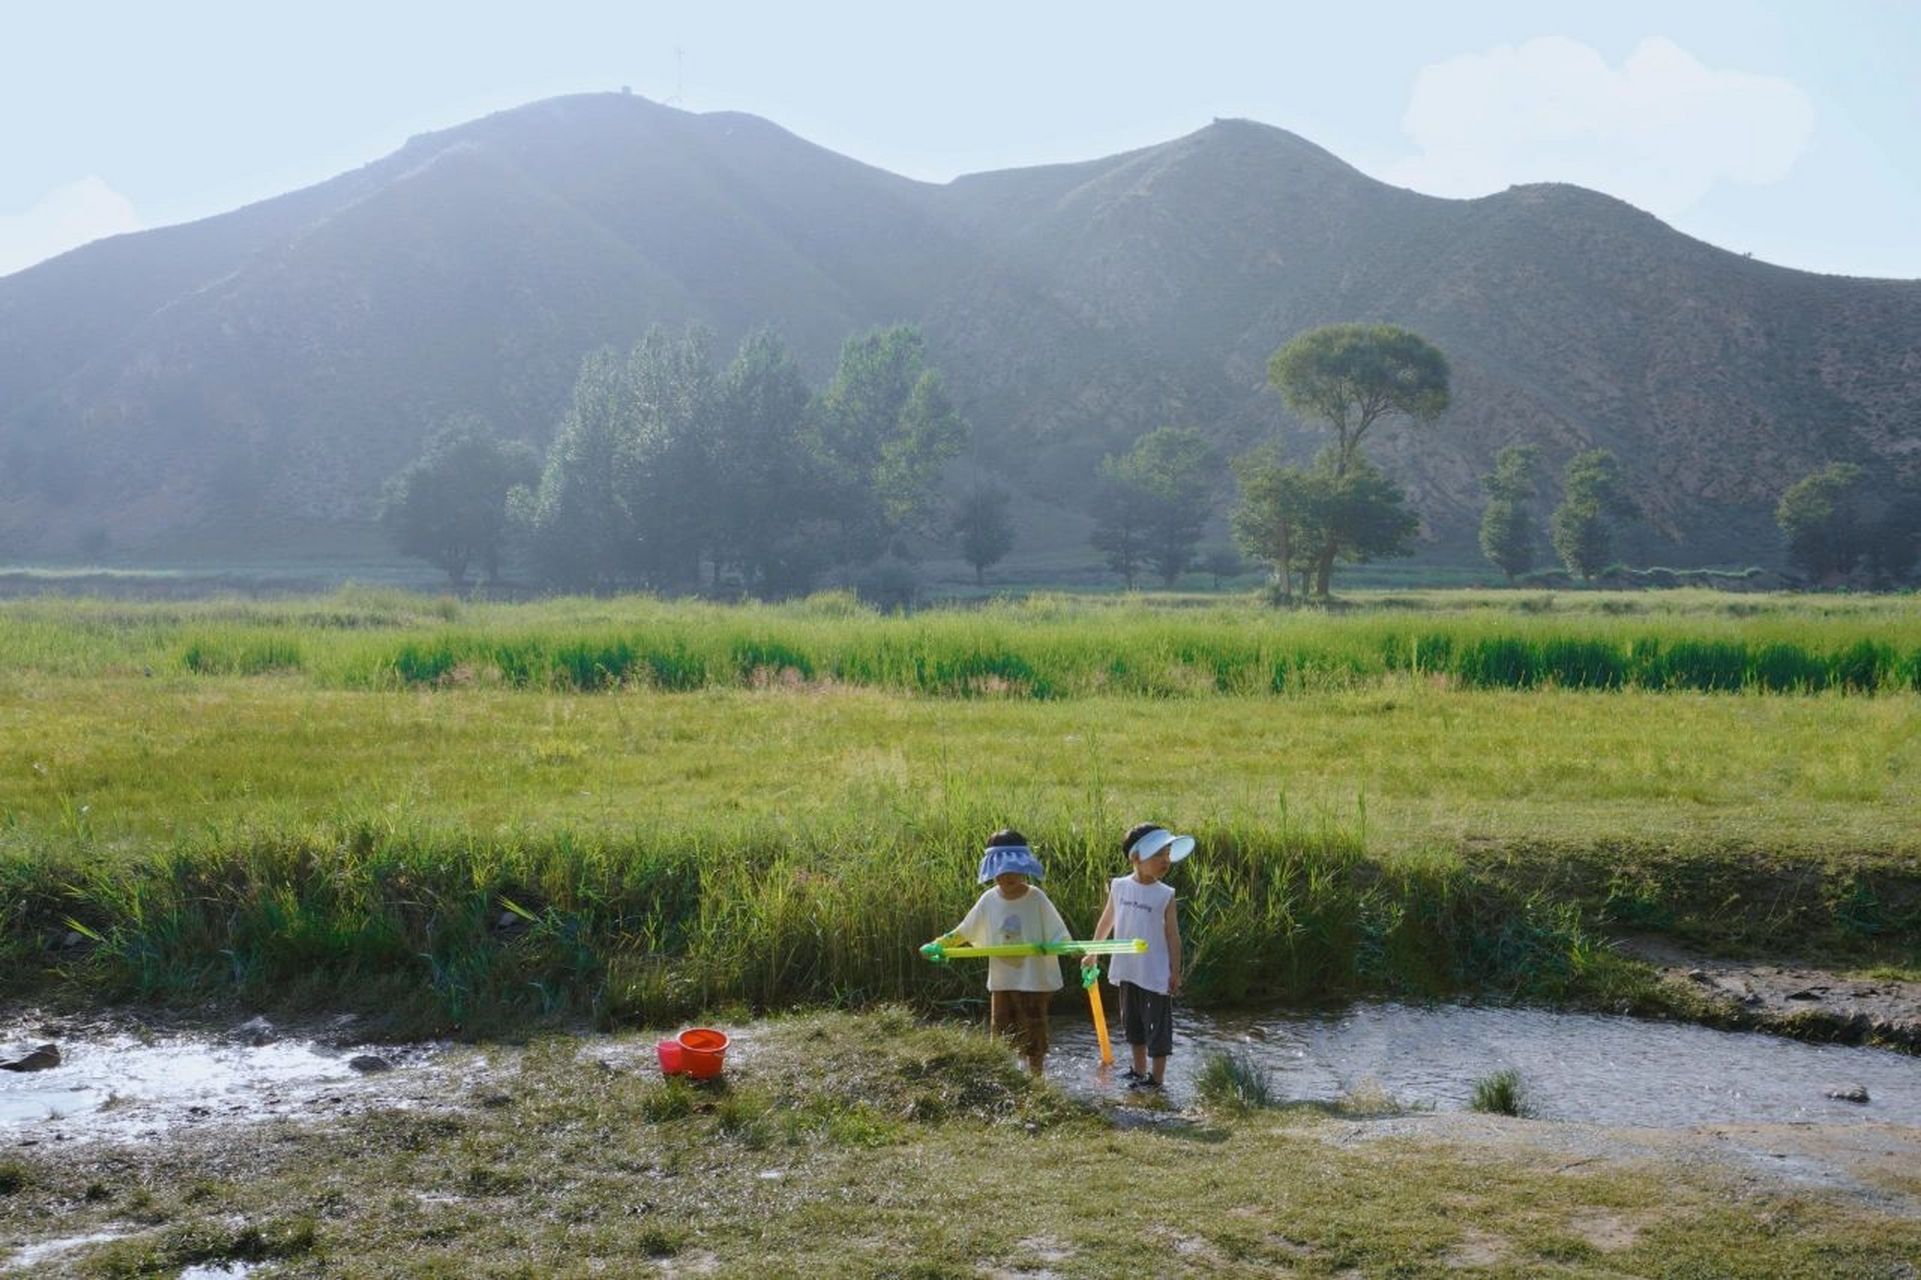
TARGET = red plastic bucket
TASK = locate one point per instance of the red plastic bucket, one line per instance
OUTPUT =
(703, 1051)
(672, 1063)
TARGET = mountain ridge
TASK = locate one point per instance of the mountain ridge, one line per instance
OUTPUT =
(289, 354)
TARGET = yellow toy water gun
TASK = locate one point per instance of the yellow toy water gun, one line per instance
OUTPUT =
(1091, 979)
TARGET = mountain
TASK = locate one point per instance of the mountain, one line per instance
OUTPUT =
(286, 357)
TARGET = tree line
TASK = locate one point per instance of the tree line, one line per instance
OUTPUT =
(1843, 524)
(1840, 524)
(672, 472)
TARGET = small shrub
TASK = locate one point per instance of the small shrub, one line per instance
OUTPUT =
(587, 665)
(660, 1241)
(1233, 1079)
(1859, 667)
(891, 585)
(423, 663)
(746, 1116)
(1709, 666)
(13, 1177)
(1499, 1094)
(249, 656)
(1582, 664)
(752, 658)
(1787, 668)
(672, 1099)
(1368, 1101)
(1499, 662)
(672, 668)
(493, 1180)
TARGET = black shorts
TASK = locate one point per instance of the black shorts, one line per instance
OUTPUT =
(1147, 1017)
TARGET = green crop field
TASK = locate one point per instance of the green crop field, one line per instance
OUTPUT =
(673, 803)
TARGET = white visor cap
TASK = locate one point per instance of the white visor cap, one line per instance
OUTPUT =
(1160, 838)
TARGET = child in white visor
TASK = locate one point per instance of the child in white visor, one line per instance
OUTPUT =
(1139, 905)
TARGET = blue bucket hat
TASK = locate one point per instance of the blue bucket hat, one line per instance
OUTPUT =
(1001, 859)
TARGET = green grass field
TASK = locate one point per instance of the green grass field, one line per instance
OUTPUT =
(773, 804)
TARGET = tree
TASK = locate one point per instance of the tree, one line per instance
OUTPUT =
(772, 503)
(1821, 517)
(665, 460)
(1288, 515)
(1507, 532)
(1162, 483)
(1894, 535)
(928, 434)
(1593, 492)
(1348, 377)
(1222, 562)
(449, 506)
(985, 528)
(577, 520)
(1273, 521)
(1116, 536)
(886, 428)
(1841, 521)
(1361, 511)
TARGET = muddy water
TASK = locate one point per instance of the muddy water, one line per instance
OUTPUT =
(1576, 1067)
(115, 1085)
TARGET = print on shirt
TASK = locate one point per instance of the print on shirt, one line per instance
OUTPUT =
(1011, 930)
(1136, 919)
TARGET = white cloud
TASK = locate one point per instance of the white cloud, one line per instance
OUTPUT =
(1659, 131)
(65, 218)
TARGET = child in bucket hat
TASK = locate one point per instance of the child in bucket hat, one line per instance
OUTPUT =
(1140, 906)
(1019, 988)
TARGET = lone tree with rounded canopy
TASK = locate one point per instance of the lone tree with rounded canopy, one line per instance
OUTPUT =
(449, 506)
(1347, 377)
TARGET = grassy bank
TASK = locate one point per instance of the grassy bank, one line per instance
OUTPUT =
(871, 1146)
(443, 930)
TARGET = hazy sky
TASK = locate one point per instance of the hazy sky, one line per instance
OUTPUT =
(1790, 130)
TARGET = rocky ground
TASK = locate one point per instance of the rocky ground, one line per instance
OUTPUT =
(1793, 999)
(875, 1145)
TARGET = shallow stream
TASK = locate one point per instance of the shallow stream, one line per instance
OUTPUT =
(1594, 1068)
(1573, 1066)
(119, 1085)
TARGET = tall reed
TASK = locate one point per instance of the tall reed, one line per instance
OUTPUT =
(1045, 647)
(447, 929)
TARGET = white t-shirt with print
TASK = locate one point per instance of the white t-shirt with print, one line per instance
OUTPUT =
(996, 921)
(1140, 911)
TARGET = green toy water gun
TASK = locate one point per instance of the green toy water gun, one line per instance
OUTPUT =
(940, 953)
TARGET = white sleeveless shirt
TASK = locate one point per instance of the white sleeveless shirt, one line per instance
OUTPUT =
(1140, 911)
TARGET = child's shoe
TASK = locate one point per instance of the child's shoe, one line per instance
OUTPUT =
(1146, 1084)
(1129, 1076)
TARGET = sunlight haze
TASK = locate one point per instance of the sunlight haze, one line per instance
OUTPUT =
(1766, 128)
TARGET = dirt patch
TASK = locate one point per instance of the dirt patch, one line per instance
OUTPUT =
(697, 1263)
(1791, 999)
(1607, 1232)
(1477, 1249)
(1039, 1255)
(1863, 1163)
